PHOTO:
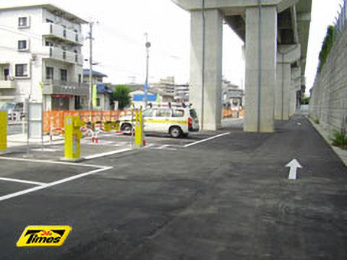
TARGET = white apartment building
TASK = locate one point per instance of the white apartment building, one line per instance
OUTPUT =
(40, 57)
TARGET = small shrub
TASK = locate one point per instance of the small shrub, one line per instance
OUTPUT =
(317, 121)
(339, 139)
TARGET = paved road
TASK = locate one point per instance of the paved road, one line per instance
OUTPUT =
(226, 198)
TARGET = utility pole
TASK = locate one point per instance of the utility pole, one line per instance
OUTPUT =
(91, 66)
(148, 45)
(203, 65)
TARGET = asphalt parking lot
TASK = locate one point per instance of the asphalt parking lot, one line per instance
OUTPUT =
(222, 195)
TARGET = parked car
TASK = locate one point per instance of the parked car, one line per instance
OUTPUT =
(176, 121)
(15, 111)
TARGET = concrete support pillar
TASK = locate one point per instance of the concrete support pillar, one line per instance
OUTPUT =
(287, 54)
(295, 86)
(292, 106)
(207, 104)
(261, 51)
(282, 91)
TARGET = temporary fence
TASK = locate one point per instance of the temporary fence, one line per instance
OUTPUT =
(53, 121)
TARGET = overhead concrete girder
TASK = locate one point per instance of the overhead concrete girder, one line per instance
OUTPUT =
(234, 6)
(288, 53)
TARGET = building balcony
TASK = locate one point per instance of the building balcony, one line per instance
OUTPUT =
(52, 30)
(63, 55)
(65, 88)
(7, 84)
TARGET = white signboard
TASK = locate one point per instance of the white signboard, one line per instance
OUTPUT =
(35, 121)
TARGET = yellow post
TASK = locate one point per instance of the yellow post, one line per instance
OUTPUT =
(73, 136)
(3, 131)
(107, 126)
(138, 128)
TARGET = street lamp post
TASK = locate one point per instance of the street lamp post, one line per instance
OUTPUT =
(90, 103)
(148, 45)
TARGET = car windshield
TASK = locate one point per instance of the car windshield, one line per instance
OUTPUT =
(7, 106)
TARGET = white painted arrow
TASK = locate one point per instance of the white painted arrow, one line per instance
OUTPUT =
(294, 165)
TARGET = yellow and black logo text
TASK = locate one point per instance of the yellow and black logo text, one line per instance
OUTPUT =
(44, 236)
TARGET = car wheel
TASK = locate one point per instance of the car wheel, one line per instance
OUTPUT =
(175, 131)
(126, 128)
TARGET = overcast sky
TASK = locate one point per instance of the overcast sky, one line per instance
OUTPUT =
(119, 44)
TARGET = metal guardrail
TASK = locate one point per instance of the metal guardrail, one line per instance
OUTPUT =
(340, 20)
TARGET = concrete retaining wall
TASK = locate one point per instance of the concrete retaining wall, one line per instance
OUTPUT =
(329, 95)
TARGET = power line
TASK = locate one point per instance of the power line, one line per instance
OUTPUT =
(12, 30)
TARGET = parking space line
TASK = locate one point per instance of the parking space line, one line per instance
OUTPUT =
(106, 154)
(23, 192)
(22, 181)
(205, 140)
(50, 162)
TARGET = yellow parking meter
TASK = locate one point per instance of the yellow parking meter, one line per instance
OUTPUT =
(3, 131)
(138, 128)
(73, 136)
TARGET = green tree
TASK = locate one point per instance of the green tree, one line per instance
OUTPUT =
(326, 47)
(121, 94)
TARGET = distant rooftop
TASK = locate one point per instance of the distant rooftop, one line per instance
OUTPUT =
(9, 5)
(95, 73)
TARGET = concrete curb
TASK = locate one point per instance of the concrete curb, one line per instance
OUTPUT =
(342, 154)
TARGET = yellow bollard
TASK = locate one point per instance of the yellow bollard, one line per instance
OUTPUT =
(73, 136)
(107, 126)
(3, 131)
(138, 128)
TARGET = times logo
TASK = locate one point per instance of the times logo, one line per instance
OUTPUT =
(43, 236)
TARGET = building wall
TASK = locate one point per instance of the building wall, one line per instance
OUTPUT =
(10, 34)
(37, 54)
(329, 95)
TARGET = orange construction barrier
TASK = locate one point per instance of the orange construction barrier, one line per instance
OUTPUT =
(55, 119)
(226, 113)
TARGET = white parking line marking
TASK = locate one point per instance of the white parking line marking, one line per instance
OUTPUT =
(205, 140)
(50, 162)
(22, 181)
(16, 194)
(106, 154)
(46, 150)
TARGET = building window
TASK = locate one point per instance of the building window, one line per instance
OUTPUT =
(21, 70)
(49, 73)
(23, 22)
(23, 45)
(98, 102)
(50, 44)
(63, 75)
(79, 78)
(49, 21)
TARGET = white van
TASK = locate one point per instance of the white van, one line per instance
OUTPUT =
(176, 121)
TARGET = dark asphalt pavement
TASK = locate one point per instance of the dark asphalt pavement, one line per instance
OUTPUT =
(226, 198)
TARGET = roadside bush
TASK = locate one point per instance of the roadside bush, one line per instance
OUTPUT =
(339, 139)
(317, 121)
